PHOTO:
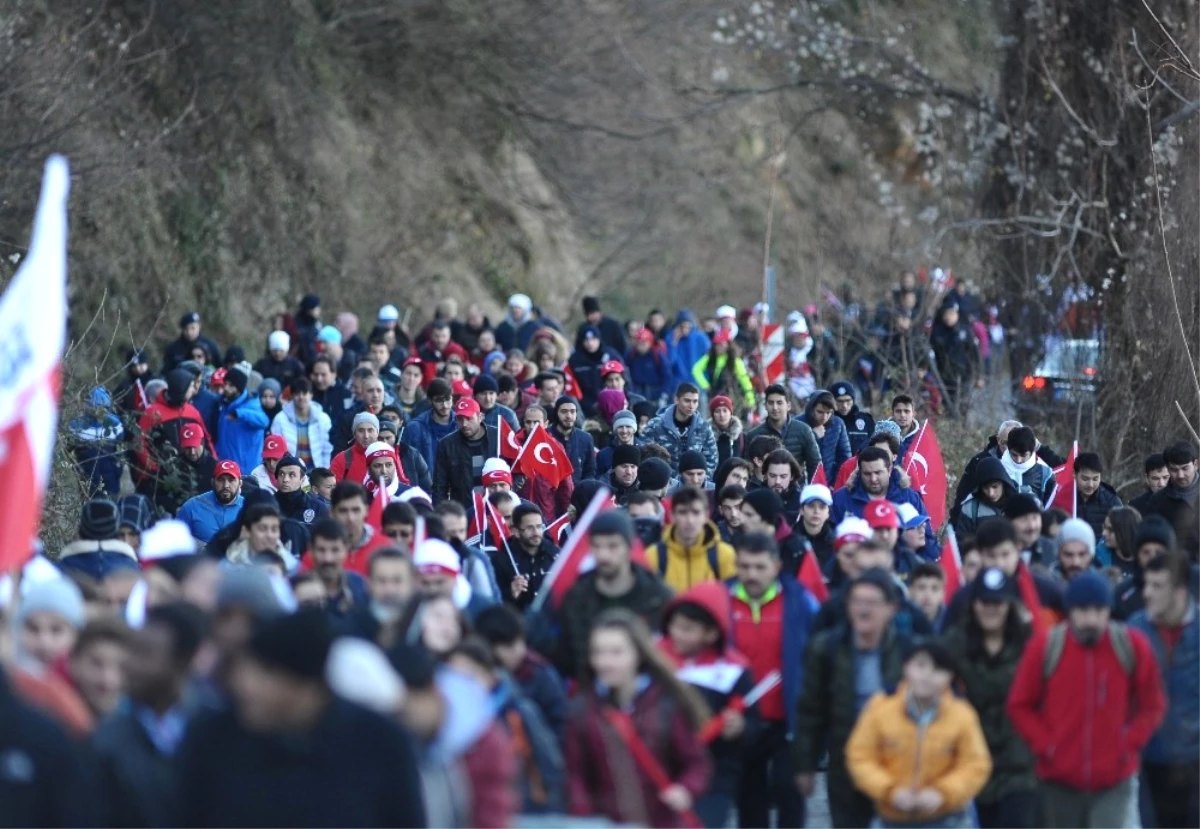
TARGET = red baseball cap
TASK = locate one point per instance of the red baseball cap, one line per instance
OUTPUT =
(461, 388)
(227, 468)
(721, 336)
(218, 378)
(612, 367)
(881, 515)
(466, 407)
(645, 335)
(191, 436)
(274, 447)
(413, 361)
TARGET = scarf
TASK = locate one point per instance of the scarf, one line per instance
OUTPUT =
(1015, 470)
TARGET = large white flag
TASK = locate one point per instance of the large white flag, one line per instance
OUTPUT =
(33, 317)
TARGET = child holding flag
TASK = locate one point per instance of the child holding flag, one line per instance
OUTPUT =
(696, 629)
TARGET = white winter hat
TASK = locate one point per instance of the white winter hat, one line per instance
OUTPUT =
(520, 301)
(279, 341)
(726, 312)
(816, 492)
(495, 465)
(389, 313)
(166, 539)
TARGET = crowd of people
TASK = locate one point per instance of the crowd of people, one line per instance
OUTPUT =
(452, 576)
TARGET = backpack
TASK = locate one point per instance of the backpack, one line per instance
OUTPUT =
(713, 563)
(1118, 634)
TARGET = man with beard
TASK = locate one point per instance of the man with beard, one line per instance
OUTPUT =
(183, 476)
(782, 473)
(392, 582)
(624, 477)
(207, 514)
(527, 558)
(384, 473)
(344, 590)
(1076, 549)
(877, 481)
(458, 466)
(293, 501)
(1087, 697)
(581, 449)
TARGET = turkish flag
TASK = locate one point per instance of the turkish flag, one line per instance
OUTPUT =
(33, 317)
(510, 441)
(951, 564)
(810, 576)
(544, 457)
(555, 528)
(573, 556)
(819, 476)
(571, 384)
(1064, 476)
(848, 469)
(924, 465)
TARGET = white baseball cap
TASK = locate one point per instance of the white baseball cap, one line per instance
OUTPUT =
(816, 492)
(389, 313)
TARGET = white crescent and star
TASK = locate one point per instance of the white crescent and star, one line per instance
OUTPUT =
(538, 457)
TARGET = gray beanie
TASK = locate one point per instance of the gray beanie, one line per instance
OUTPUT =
(59, 596)
(888, 427)
(248, 587)
(612, 522)
(625, 418)
(1076, 529)
(365, 417)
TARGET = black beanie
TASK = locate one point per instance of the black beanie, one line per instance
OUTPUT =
(691, 459)
(766, 503)
(653, 475)
(1154, 530)
(1021, 504)
(179, 380)
(99, 520)
(237, 378)
(288, 460)
(625, 455)
(297, 644)
(309, 302)
(591, 305)
(612, 522)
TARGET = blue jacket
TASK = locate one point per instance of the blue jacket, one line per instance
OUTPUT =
(582, 451)
(208, 404)
(492, 417)
(685, 352)
(854, 500)
(423, 434)
(650, 374)
(663, 431)
(243, 423)
(1177, 741)
(799, 620)
(834, 444)
(205, 516)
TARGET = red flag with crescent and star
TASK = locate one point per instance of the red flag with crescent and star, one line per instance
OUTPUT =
(924, 465)
(33, 316)
(543, 457)
(511, 441)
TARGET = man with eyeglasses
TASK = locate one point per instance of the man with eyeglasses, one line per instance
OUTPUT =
(527, 556)
(550, 500)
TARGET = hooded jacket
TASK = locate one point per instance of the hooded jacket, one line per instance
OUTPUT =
(158, 426)
(242, 427)
(685, 567)
(834, 444)
(730, 442)
(1089, 721)
(853, 500)
(664, 431)
(319, 426)
(720, 674)
(891, 747)
(859, 425)
(1177, 742)
(685, 351)
(423, 433)
(511, 334)
(96, 443)
(581, 449)
(976, 508)
(1033, 477)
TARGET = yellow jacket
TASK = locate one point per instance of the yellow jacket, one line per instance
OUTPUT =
(888, 750)
(687, 566)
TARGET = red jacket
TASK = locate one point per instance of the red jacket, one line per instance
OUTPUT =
(491, 766)
(602, 777)
(358, 464)
(158, 413)
(552, 501)
(1088, 723)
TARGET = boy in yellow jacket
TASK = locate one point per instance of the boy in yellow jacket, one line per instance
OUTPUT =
(920, 753)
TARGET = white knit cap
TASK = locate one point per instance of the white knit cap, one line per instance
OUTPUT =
(495, 465)
(166, 539)
(726, 312)
(521, 301)
(389, 313)
(279, 341)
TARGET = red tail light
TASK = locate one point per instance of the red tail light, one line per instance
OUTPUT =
(1030, 383)
(1090, 371)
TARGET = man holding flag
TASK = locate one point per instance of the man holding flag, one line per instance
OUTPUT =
(552, 498)
(614, 582)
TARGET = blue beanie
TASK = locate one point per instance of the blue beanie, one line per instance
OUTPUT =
(1088, 589)
(889, 427)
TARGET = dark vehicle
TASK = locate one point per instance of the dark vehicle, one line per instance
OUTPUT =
(1061, 391)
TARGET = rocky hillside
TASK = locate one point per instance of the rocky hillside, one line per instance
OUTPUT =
(233, 154)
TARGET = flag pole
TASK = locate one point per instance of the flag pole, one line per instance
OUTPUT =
(585, 520)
